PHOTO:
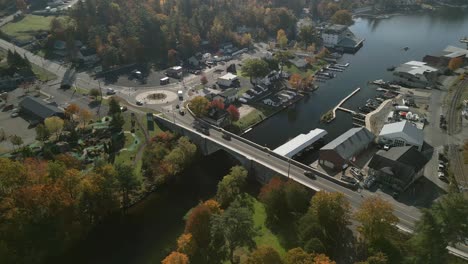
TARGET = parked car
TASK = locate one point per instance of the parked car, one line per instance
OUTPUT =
(123, 108)
(139, 102)
(110, 91)
(386, 147)
(226, 136)
(14, 114)
(348, 179)
(356, 173)
(368, 182)
(441, 167)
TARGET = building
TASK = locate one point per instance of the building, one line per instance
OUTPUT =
(39, 109)
(217, 117)
(341, 38)
(175, 72)
(228, 97)
(398, 167)
(299, 143)
(400, 134)
(340, 152)
(227, 80)
(416, 74)
(443, 59)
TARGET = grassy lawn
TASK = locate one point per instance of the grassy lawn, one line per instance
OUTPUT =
(266, 237)
(27, 27)
(42, 74)
(242, 90)
(258, 114)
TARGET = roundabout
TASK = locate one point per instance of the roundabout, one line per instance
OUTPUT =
(156, 97)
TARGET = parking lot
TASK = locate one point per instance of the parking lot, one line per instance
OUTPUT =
(15, 126)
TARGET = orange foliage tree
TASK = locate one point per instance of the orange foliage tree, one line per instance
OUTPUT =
(455, 63)
(176, 258)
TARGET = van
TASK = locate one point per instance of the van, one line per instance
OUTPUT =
(180, 93)
(164, 81)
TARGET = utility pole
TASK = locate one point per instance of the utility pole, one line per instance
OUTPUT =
(100, 102)
(289, 166)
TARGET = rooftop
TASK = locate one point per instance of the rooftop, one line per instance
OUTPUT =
(39, 107)
(335, 28)
(228, 76)
(453, 52)
(297, 144)
(405, 130)
(229, 92)
(415, 68)
(350, 142)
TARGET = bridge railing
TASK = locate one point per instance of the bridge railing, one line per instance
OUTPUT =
(274, 154)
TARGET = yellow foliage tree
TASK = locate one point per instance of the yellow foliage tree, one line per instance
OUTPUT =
(186, 244)
(176, 258)
(455, 63)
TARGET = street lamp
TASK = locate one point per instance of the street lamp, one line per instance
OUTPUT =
(289, 166)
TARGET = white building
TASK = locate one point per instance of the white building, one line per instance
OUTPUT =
(400, 134)
(416, 74)
(339, 36)
(227, 80)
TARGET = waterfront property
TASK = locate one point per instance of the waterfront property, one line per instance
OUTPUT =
(337, 154)
(340, 37)
(448, 54)
(227, 80)
(402, 133)
(416, 74)
(299, 143)
(228, 96)
(398, 167)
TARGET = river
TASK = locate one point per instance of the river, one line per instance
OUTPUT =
(423, 33)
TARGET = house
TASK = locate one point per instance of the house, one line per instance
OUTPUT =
(402, 133)
(229, 96)
(227, 80)
(340, 37)
(217, 117)
(443, 59)
(398, 167)
(337, 154)
(193, 61)
(39, 109)
(272, 101)
(416, 74)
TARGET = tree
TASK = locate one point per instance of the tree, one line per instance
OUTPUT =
(264, 255)
(455, 63)
(376, 218)
(176, 258)
(218, 103)
(231, 185)
(323, 259)
(54, 124)
(308, 34)
(298, 256)
(21, 5)
(295, 81)
(42, 133)
(16, 140)
(71, 110)
(127, 181)
(94, 93)
(199, 105)
(171, 57)
(281, 38)
(117, 122)
(283, 57)
(377, 258)
(114, 107)
(233, 113)
(198, 224)
(84, 116)
(203, 79)
(342, 17)
(255, 68)
(234, 228)
(186, 244)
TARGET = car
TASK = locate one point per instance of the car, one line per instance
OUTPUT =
(110, 91)
(123, 108)
(386, 147)
(356, 173)
(205, 131)
(309, 174)
(441, 167)
(177, 106)
(139, 102)
(14, 114)
(348, 179)
(181, 112)
(226, 136)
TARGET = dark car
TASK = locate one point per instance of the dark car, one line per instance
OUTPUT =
(139, 102)
(226, 136)
(309, 174)
(348, 179)
(123, 108)
(205, 131)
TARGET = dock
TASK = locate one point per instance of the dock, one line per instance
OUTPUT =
(338, 107)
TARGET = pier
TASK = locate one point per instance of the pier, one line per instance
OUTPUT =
(338, 107)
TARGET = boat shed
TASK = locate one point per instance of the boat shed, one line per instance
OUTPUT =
(299, 143)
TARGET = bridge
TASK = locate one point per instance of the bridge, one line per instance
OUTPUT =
(263, 163)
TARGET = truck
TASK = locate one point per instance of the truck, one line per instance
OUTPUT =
(180, 93)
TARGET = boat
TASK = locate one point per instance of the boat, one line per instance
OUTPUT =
(391, 68)
(342, 65)
(406, 48)
(379, 82)
(364, 109)
(381, 89)
(330, 68)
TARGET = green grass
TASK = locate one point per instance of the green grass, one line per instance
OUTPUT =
(42, 74)
(26, 28)
(242, 90)
(266, 237)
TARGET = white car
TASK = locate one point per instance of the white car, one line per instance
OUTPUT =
(14, 114)
(386, 147)
(441, 167)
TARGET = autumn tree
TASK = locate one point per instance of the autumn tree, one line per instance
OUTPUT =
(376, 218)
(455, 63)
(264, 255)
(281, 38)
(342, 17)
(203, 79)
(199, 106)
(255, 68)
(295, 81)
(298, 256)
(54, 124)
(233, 113)
(16, 140)
(94, 93)
(171, 57)
(217, 103)
(377, 258)
(186, 244)
(84, 116)
(199, 223)
(176, 258)
(231, 185)
(71, 110)
(323, 259)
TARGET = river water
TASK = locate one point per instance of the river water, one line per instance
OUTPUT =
(423, 33)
